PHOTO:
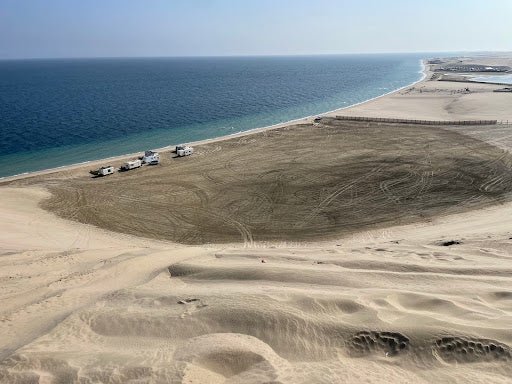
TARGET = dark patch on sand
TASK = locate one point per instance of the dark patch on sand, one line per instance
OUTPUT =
(466, 349)
(299, 183)
(366, 342)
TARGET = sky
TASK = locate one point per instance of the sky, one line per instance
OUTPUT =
(130, 28)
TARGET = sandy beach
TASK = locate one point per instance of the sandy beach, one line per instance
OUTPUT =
(441, 100)
(383, 257)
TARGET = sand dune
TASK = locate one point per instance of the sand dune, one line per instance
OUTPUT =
(384, 305)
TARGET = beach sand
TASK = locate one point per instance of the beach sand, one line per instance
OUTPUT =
(427, 297)
(442, 100)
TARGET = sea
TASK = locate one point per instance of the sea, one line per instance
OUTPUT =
(57, 112)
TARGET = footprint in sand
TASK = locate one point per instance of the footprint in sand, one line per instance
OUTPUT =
(467, 349)
(191, 305)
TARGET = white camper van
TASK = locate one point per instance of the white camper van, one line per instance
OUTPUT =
(131, 165)
(104, 171)
(185, 151)
(151, 158)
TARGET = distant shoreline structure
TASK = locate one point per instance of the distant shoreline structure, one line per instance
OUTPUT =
(423, 71)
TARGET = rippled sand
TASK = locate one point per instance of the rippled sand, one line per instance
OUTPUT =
(84, 305)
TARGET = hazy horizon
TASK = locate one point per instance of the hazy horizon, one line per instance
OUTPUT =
(218, 28)
(254, 55)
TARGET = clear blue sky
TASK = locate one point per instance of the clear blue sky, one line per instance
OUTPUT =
(96, 28)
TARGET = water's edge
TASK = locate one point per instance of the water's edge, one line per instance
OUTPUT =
(422, 72)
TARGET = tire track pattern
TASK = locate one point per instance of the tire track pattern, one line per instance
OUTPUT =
(304, 183)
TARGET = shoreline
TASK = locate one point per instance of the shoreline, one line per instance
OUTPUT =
(424, 71)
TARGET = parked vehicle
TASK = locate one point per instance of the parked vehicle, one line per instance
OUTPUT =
(185, 151)
(151, 158)
(103, 171)
(131, 165)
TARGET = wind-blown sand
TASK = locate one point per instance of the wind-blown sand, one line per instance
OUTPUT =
(85, 305)
(424, 302)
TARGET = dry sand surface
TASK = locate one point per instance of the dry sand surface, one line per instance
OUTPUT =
(394, 305)
(339, 253)
(299, 183)
(442, 100)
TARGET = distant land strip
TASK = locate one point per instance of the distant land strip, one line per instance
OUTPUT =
(422, 122)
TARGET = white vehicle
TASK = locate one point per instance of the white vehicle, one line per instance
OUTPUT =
(185, 151)
(131, 165)
(151, 158)
(104, 171)
(180, 146)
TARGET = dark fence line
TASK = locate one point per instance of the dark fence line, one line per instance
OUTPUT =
(422, 122)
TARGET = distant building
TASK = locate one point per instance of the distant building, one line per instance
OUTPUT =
(473, 68)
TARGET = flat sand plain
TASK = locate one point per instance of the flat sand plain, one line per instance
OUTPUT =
(298, 183)
(440, 100)
(385, 256)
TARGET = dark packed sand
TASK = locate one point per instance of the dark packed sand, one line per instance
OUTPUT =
(299, 183)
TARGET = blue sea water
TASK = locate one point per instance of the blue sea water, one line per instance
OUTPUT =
(60, 112)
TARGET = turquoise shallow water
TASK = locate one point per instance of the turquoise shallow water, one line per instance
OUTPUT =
(60, 112)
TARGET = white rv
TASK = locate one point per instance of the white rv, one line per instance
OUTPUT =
(185, 151)
(151, 158)
(131, 165)
(104, 171)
